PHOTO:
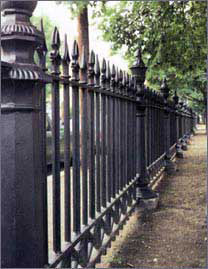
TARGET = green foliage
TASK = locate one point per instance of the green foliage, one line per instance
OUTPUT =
(172, 36)
(76, 6)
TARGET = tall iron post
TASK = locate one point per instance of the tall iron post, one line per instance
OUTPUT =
(169, 165)
(179, 152)
(23, 197)
(192, 122)
(183, 140)
(138, 71)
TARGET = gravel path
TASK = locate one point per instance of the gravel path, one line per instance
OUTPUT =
(174, 235)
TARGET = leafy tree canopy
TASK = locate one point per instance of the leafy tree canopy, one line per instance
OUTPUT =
(172, 36)
(76, 6)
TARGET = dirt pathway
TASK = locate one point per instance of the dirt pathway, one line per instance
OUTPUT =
(174, 235)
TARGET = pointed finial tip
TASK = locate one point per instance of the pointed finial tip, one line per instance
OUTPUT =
(56, 38)
(66, 57)
(41, 24)
(75, 50)
(138, 53)
(108, 73)
(103, 65)
(92, 57)
(97, 66)
(113, 71)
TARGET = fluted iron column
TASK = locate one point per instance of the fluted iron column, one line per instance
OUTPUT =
(169, 165)
(23, 185)
(138, 70)
(183, 140)
(179, 152)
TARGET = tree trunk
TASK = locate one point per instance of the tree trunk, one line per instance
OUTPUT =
(83, 40)
(83, 31)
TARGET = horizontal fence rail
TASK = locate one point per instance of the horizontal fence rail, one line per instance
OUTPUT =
(116, 136)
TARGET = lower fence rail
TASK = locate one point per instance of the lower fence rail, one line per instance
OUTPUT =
(98, 234)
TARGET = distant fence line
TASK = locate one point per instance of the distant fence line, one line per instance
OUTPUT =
(125, 135)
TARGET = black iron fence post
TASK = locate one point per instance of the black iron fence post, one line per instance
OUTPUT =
(179, 152)
(138, 70)
(23, 200)
(192, 122)
(186, 129)
(183, 141)
(169, 165)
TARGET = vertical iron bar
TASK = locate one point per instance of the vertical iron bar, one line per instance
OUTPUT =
(109, 137)
(67, 144)
(98, 202)
(91, 74)
(75, 139)
(84, 135)
(103, 135)
(109, 145)
(56, 61)
(56, 165)
(98, 185)
(42, 52)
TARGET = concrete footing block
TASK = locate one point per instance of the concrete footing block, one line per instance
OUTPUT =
(170, 167)
(179, 154)
(149, 204)
(184, 147)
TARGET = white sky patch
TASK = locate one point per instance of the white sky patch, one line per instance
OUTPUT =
(60, 16)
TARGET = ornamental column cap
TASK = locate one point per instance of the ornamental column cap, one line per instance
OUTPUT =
(165, 89)
(20, 6)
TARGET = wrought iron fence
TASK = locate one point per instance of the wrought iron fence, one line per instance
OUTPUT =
(123, 135)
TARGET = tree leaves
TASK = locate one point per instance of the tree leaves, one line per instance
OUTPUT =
(171, 34)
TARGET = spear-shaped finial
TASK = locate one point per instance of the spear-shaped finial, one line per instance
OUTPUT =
(120, 81)
(92, 58)
(124, 79)
(56, 39)
(139, 69)
(103, 73)
(75, 64)
(91, 71)
(75, 51)
(117, 76)
(108, 72)
(97, 66)
(139, 61)
(97, 71)
(175, 98)
(42, 49)
(44, 45)
(164, 89)
(113, 75)
(103, 70)
(55, 55)
(66, 57)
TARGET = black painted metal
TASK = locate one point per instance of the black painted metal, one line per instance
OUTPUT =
(139, 71)
(67, 139)
(23, 186)
(126, 132)
(56, 61)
